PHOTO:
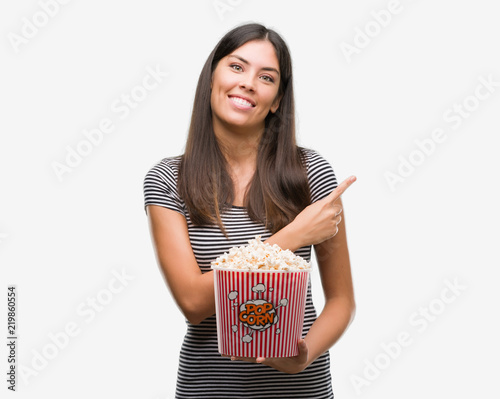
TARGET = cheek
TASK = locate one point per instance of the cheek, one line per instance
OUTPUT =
(223, 80)
(271, 97)
(218, 101)
(220, 91)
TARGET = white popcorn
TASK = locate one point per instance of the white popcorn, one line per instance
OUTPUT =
(260, 256)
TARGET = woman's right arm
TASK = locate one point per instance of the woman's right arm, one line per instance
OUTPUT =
(192, 290)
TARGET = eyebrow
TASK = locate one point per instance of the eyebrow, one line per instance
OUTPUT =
(246, 62)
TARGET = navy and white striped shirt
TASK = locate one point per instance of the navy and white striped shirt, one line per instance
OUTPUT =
(202, 371)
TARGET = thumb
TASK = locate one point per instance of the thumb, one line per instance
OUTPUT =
(303, 350)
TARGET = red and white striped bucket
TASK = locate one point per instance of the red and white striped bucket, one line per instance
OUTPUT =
(261, 312)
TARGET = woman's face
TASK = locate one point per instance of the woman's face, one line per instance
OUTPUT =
(245, 86)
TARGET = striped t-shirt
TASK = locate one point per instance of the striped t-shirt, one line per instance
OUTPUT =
(202, 371)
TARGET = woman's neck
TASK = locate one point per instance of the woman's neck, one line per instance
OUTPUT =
(239, 148)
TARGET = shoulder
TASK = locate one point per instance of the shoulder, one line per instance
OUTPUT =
(164, 173)
(320, 174)
(167, 168)
(160, 184)
(163, 176)
(315, 162)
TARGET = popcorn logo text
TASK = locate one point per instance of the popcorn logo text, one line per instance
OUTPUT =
(257, 316)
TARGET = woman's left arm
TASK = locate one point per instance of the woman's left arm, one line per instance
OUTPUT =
(335, 271)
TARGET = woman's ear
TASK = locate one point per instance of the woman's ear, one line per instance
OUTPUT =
(276, 104)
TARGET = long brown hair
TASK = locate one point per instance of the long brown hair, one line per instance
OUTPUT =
(279, 189)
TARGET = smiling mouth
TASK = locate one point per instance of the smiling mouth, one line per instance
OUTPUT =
(241, 103)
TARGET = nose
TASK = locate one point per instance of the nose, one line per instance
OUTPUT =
(247, 83)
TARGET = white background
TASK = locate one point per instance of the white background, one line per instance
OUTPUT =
(60, 241)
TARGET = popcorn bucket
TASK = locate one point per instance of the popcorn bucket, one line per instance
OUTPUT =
(260, 312)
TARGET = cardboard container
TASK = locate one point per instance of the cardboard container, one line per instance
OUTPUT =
(260, 312)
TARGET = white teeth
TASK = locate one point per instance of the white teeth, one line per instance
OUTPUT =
(241, 101)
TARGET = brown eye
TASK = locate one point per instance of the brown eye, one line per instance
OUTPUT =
(235, 65)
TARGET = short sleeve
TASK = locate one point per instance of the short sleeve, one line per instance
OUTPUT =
(322, 179)
(160, 187)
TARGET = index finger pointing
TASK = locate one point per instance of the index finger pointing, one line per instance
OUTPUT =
(339, 190)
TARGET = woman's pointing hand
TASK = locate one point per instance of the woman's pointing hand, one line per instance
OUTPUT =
(318, 221)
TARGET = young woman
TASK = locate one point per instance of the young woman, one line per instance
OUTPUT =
(241, 175)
